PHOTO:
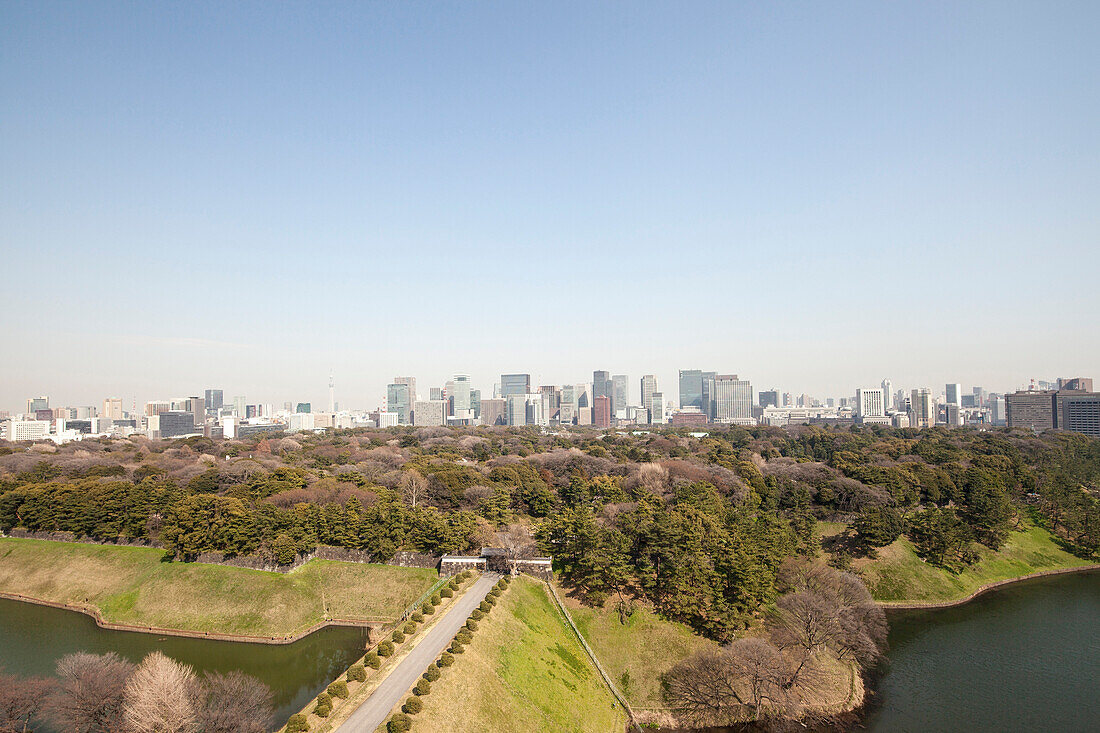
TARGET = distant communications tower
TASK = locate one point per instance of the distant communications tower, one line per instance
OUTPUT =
(331, 394)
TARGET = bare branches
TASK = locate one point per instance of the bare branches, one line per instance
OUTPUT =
(21, 700)
(413, 486)
(234, 703)
(160, 697)
(88, 698)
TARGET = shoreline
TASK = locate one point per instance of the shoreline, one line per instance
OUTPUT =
(97, 616)
(988, 587)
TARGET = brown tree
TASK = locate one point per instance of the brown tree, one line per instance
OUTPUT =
(21, 700)
(234, 703)
(161, 697)
(414, 487)
(88, 694)
(719, 687)
(517, 543)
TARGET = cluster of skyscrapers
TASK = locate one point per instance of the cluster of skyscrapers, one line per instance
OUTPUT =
(703, 398)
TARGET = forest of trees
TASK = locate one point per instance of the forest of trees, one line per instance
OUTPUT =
(699, 526)
(104, 693)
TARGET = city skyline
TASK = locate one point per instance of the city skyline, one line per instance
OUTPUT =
(261, 195)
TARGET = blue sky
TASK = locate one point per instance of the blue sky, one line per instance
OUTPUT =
(813, 196)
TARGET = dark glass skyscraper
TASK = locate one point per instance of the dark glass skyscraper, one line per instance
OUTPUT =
(514, 384)
(691, 388)
(601, 385)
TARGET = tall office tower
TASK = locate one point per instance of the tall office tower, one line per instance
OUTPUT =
(649, 388)
(870, 403)
(512, 384)
(475, 403)
(435, 393)
(769, 398)
(922, 413)
(214, 400)
(493, 411)
(732, 400)
(34, 404)
(951, 415)
(620, 398)
(601, 412)
(887, 395)
(460, 396)
(997, 408)
(657, 409)
(569, 396)
(1079, 412)
(331, 394)
(288, 406)
(411, 382)
(602, 385)
(303, 408)
(953, 393)
(515, 409)
(197, 407)
(710, 400)
(112, 408)
(900, 401)
(584, 395)
(980, 397)
(691, 388)
(788, 400)
(533, 409)
(551, 401)
(238, 405)
(399, 400)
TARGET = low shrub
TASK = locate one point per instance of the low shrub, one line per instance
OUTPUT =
(399, 723)
(428, 608)
(432, 674)
(423, 687)
(471, 624)
(457, 648)
(410, 628)
(490, 600)
(446, 659)
(413, 705)
(477, 614)
(339, 689)
(435, 599)
(385, 649)
(485, 606)
(297, 723)
(357, 672)
(464, 637)
(506, 580)
(447, 592)
(494, 593)
(324, 705)
(372, 660)
(417, 617)
(453, 585)
(398, 637)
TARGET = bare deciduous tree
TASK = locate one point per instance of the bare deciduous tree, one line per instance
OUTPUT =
(718, 687)
(21, 700)
(414, 487)
(234, 703)
(517, 543)
(88, 696)
(160, 697)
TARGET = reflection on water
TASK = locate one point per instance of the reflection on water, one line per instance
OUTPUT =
(33, 638)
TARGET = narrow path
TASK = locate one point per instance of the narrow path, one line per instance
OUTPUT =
(373, 712)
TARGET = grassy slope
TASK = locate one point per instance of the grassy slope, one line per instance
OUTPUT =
(897, 574)
(524, 671)
(130, 585)
(637, 653)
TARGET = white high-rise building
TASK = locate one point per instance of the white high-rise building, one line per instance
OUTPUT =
(657, 409)
(649, 388)
(429, 412)
(460, 394)
(887, 395)
(870, 403)
(922, 411)
(733, 400)
(953, 394)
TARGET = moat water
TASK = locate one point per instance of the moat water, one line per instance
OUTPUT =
(33, 638)
(1023, 658)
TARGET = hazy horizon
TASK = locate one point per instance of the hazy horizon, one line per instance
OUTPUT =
(815, 198)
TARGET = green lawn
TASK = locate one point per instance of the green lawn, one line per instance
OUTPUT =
(637, 653)
(898, 575)
(130, 585)
(524, 671)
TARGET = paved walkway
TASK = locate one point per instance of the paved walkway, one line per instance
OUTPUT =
(374, 711)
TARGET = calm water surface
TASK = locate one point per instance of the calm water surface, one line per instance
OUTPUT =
(33, 638)
(1024, 658)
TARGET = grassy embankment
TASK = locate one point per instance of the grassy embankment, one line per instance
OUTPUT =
(638, 653)
(898, 575)
(130, 585)
(523, 671)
